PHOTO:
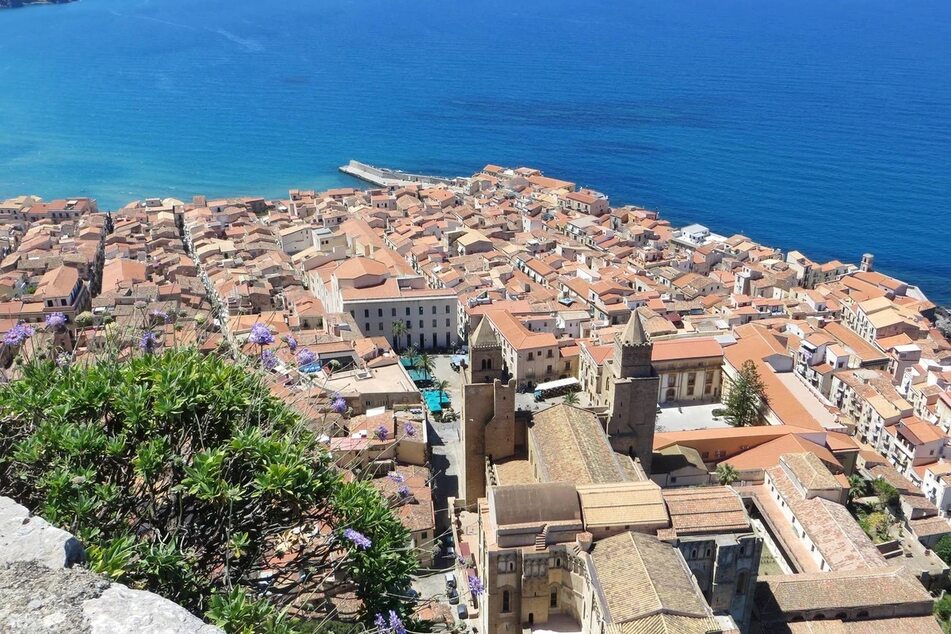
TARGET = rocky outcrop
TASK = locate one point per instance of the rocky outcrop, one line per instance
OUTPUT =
(43, 591)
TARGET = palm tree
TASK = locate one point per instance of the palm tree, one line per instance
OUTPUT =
(425, 363)
(442, 385)
(857, 486)
(571, 398)
(726, 474)
(399, 329)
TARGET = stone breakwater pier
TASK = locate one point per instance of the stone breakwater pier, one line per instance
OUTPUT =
(385, 177)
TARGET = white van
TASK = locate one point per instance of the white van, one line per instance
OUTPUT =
(450, 580)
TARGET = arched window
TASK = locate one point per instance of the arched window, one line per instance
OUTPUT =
(506, 601)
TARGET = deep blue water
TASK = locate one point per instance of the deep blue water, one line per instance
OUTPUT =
(815, 124)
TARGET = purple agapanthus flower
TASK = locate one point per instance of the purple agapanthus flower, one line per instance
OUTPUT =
(268, 359)
(475, 586)
(357, 538)
(261, 335)
(380, 623)
(18, 334)
(161, 314)
(396, 477)
(148, 342)
(305, 357)
(291, 342)
(409, 429)
(396, 625)
(381, 432)
(56, 321)
(403, 491)
(338, 405)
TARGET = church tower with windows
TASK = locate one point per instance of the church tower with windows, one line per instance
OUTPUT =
(485, 355)
(633, 394)
(488, 423)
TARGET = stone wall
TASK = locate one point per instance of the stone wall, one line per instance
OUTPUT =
(43, 591)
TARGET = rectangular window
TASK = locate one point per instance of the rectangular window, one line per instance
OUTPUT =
(447, 309)
(379, 312)
(553, 601)
(407, 311)
(447, 322)
(434, 323)
(366, 312)
(393, 312)
(434, 310)
(531, 356)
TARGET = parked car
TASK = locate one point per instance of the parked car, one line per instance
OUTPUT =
(453, 596)
(462, 612)
(450, 581)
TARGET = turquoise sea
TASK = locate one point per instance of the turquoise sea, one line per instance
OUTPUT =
(823, 125)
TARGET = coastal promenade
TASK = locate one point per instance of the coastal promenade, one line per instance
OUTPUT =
(384, 177)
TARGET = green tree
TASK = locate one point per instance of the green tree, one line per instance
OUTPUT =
(399, 329)
(942, 611)
(746, 401)
(184, 476)
(571, 398)
(726, 474)
(943, 549)
(887, 494)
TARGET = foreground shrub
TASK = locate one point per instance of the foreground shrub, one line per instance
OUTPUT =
(184, 476)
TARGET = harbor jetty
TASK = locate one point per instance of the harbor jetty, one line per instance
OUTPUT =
(385, 177)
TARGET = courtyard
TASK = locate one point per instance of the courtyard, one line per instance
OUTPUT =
(688, 416)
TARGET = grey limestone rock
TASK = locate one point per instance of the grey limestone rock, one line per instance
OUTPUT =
(41, 592)
(122, 609)
(24, 537)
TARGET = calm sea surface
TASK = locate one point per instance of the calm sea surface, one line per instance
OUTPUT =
(815, 124)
